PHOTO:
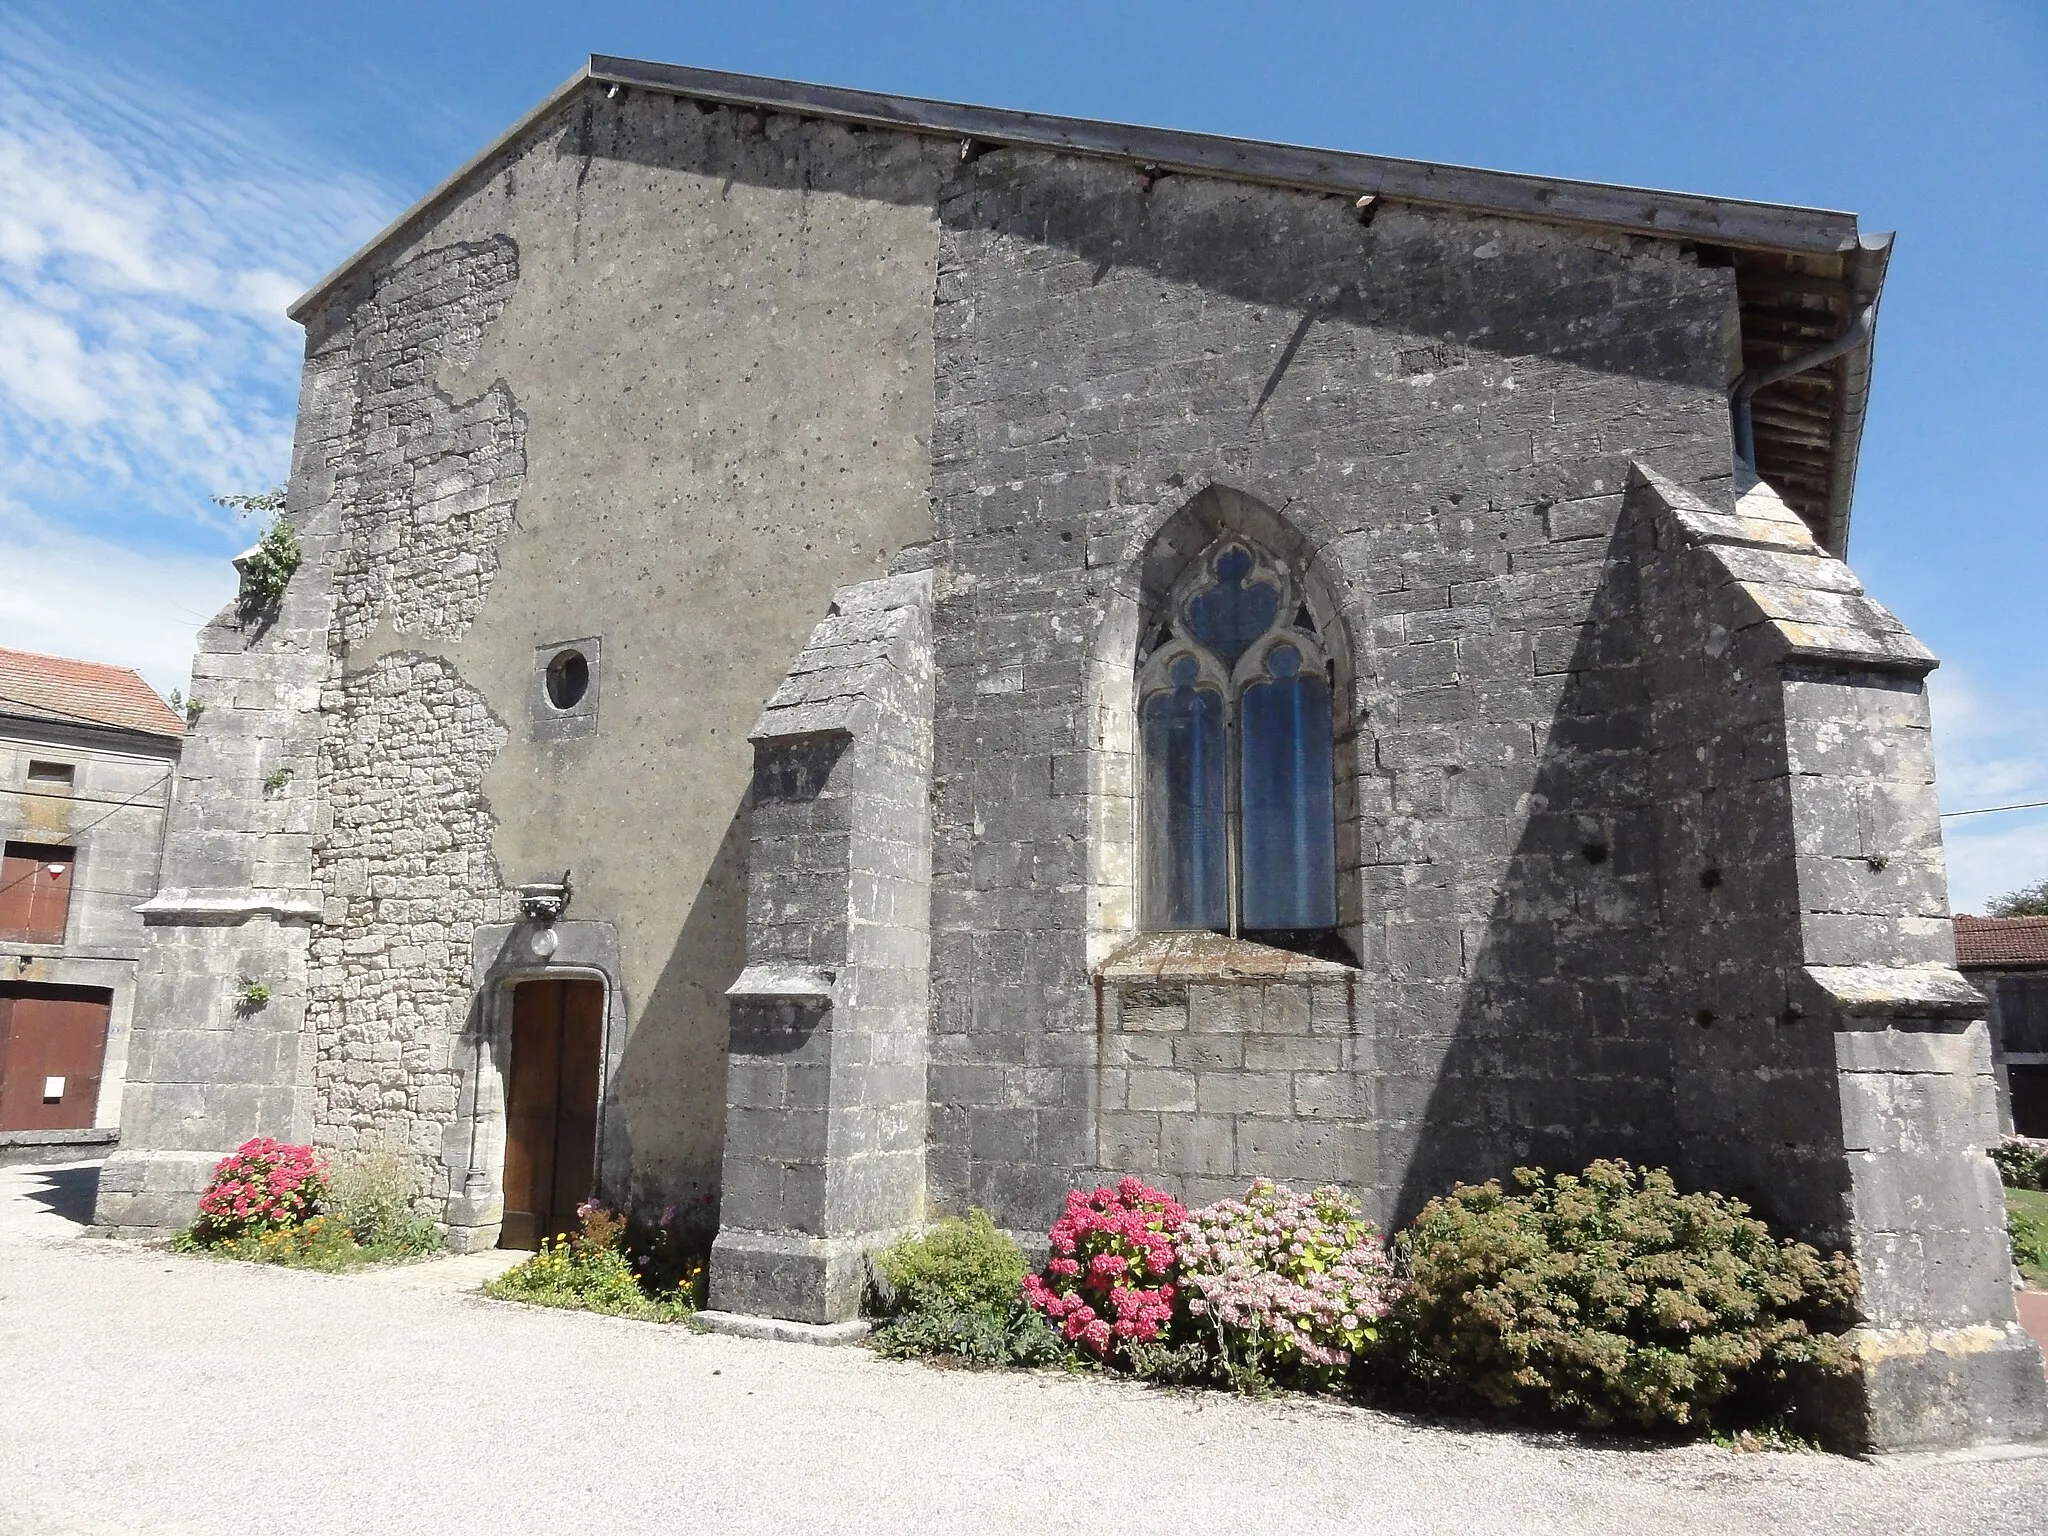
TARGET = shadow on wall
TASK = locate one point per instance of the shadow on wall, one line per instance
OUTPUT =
(1559, 1050)
(1260, 245)
(1628, 994)
(672, 1078)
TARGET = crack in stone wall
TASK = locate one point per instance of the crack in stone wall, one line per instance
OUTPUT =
(408, 875)
(430, 483)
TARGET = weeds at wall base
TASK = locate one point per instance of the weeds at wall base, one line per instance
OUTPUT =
(323, 1243)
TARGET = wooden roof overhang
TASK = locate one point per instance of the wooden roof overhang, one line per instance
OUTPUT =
(1802, 274)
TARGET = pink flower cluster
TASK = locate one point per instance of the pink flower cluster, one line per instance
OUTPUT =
(262, 1186)
(1109, 1282)
(1289, 1281)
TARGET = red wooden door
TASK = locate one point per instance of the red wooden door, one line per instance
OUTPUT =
(35, 892)
(551, 1108)
(52, 1043)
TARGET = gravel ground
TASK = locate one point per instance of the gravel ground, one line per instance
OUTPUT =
(142, 1392)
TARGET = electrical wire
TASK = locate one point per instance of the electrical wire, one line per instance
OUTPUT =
(75, 832)
(45, 794)
(1986, 810)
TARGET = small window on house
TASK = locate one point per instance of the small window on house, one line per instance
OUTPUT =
(568, 676)
(35, 892)
(50, 776)
(568, 679)
(1236, 727)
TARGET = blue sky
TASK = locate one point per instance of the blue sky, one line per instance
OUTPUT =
(171, 174)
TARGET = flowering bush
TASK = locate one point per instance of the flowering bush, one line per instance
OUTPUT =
(1610, 1296)
(596, 1270)
(262, 1186)
(2022, 1161)
(1109, 1282)
(1292, 1284)
(323, 1242)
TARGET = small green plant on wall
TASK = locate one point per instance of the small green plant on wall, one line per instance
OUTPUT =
(277, 781)
(268, 567)
(251, 997)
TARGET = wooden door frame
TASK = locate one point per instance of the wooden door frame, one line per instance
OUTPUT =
(502, 957)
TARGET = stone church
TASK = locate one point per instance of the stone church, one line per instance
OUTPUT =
(858, 656)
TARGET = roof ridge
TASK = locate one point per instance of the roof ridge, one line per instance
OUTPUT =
(1650, 211)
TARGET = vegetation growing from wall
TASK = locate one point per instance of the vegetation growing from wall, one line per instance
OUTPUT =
(269, 567)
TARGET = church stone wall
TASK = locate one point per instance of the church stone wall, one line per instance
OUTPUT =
(1443, 408)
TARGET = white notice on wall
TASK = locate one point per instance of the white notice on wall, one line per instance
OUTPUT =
(53, 1089)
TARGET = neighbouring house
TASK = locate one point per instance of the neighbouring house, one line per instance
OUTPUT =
(859, 656)
(87, 758)
(2007, 957)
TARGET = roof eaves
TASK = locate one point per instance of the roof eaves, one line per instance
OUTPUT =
(16, 718)
(1633, 210)
(1866, 272)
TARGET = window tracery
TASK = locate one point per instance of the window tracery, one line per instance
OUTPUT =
(1236, 730)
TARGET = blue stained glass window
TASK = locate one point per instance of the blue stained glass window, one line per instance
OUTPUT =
(1232, 614)
(1288, 830)
(1187, 869)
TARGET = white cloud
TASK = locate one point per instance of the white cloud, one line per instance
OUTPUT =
(1989, 750)
(70, 594)
(148, 245)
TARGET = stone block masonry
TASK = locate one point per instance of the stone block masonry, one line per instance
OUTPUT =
(1836, 1072)
(1448, 451)
(826, 1078)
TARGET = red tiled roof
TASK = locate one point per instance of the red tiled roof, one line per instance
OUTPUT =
(1985, 941)
(82, 692)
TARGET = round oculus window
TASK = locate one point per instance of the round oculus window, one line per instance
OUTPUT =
(568, 679)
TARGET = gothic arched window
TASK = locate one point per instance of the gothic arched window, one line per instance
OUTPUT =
(1236, 733)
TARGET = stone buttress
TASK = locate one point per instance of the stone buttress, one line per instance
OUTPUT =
(1815, 997)
(825, 1126)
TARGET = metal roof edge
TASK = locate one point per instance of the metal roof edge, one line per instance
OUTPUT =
(1867, 268)
(305, 303)
(1632, 210)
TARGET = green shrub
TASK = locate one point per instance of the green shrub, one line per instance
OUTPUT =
(1610, 1297)
(595, 1271)
(967, 1263)
(1013, 1335)
(958, 1291)
(2022, 1162)
(2026, 1217)
(371, 1192)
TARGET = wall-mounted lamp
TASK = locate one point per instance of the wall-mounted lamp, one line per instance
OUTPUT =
(545, 900)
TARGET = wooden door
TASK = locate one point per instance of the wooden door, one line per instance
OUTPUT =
(52, 1043)
(35, 892)
(551, 1108)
